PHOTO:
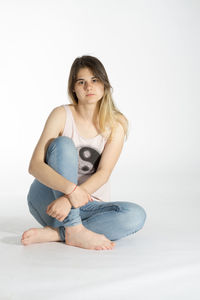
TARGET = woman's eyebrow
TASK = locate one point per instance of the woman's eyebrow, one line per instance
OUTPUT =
(84, 79)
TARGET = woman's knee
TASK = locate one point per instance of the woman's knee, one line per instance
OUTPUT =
(134, 215)
(64, 146)
(62, 142)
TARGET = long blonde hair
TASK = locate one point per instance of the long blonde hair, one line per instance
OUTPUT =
(108, 112)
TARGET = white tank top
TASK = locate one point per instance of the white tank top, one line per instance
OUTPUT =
(89, 154)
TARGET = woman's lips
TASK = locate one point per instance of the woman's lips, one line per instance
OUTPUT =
(90, 95)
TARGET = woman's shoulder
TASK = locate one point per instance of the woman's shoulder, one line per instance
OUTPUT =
(119, 126)
(121, 119)
(60, 115)
(62, 107)
(59, 111)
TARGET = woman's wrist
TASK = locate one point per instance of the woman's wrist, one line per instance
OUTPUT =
(75, 186)
(70, 189)
(67, 200)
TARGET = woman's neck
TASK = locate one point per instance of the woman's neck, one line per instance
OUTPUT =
(88, 112)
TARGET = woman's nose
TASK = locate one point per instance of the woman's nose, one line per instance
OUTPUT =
(88, 86)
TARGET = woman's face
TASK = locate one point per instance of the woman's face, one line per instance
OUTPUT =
(88, 88)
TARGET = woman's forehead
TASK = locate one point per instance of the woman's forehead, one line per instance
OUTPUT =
(85, 72)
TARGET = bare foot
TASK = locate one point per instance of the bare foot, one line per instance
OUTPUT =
(40, 235)
(80, 236)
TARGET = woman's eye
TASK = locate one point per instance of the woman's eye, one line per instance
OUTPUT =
(82, 82)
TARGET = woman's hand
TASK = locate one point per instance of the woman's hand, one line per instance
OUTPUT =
(79, 197)
(59, 208)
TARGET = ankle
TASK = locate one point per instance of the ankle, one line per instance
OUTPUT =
(74, 228)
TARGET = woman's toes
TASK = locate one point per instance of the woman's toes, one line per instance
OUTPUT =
(104, 248)
(25, 235)
(24, 241)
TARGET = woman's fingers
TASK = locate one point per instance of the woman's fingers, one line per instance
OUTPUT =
(58, 217)
(55, 215)
(51, 213)
(48, 208)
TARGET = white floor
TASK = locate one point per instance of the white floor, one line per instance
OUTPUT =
(162, 261)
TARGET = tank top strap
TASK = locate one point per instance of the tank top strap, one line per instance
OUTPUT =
(69, 124)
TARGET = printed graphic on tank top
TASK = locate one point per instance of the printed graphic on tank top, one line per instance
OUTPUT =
(89, 155)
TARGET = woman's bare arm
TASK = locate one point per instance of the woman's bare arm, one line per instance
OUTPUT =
(49, 177)
(108, 160)
(37, 167)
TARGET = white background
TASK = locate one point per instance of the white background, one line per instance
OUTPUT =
(150, 50)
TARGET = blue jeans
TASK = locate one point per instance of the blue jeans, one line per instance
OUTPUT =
(113, 219)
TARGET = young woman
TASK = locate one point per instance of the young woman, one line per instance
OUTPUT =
(72, 162)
